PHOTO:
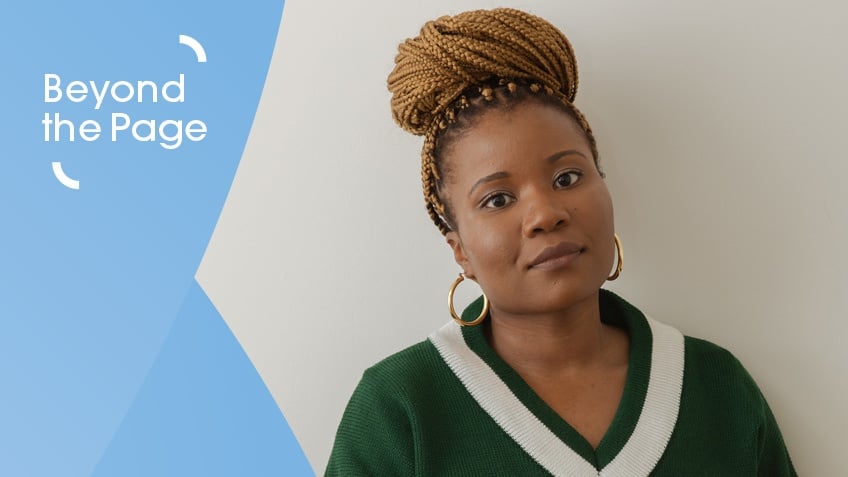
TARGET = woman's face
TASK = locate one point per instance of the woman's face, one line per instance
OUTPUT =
(533, 216)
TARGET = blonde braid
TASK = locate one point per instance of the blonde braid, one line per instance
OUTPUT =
(455, 60)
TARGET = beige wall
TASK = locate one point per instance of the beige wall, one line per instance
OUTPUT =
(722, 129)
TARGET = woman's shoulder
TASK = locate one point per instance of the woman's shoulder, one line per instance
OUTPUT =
(710, 353)
(722, 401)
(410, 369)
(416, 356)
(713, 359)
(376, 433)
(712, 372)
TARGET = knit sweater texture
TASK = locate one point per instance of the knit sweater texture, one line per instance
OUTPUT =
(450, 406)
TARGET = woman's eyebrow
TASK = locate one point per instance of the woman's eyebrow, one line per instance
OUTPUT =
(556, 156)
(489, 178)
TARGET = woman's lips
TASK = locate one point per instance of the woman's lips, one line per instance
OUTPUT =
(556, 256)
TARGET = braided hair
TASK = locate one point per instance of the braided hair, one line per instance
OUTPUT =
(458, 66)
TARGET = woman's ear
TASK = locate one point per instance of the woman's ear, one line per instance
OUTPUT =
(459, 254)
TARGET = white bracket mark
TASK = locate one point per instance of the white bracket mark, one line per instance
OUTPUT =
(63, 178)
(194, 45)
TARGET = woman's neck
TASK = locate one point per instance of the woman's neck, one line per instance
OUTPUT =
(566, 341)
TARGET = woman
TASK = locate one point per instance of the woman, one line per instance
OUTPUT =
(546, 373)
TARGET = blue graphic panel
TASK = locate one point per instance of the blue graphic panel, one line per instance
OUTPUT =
(110, 194)
(199, 412)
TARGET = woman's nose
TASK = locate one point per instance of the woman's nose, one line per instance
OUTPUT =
(545, 211)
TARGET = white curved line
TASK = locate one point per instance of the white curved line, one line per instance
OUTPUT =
(63, 178)
(194, 45)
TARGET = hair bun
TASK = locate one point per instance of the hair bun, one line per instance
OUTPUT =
(453, 53)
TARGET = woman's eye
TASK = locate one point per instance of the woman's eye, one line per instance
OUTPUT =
(497, 201)
(567, 178)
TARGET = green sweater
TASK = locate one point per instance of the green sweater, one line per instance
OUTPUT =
(451, 406)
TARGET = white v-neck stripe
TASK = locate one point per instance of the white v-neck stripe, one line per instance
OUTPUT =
(653, 430)
(644, 447)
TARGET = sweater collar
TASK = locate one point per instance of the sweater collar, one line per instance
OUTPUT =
(643, 421)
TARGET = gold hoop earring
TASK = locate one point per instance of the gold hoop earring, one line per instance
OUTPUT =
(620, 258)
(453, 313)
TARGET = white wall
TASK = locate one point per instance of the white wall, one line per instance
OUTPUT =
(722, 129)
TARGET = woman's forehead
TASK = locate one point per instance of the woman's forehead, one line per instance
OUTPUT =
(529, 132)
